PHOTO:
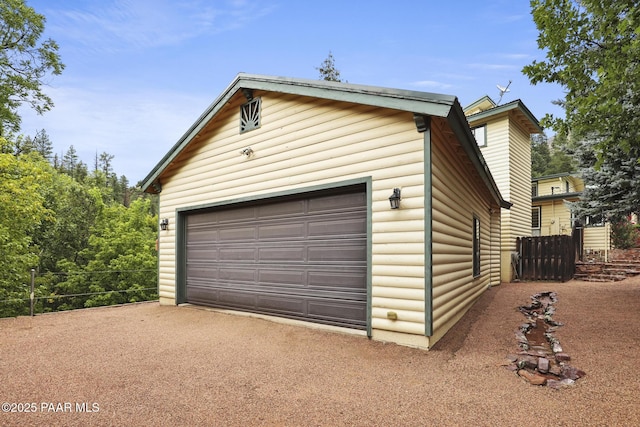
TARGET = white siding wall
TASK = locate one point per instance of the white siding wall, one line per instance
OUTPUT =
(304, 142)
(598, 239)
(508, 155)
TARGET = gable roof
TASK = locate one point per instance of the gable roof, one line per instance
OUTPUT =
(481, 104)
(485, 108)
(418, 103)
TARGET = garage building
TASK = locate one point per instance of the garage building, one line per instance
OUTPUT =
(361, 208)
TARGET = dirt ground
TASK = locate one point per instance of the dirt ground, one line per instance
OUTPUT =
(144, 364)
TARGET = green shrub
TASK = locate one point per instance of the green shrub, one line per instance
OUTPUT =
(624, 235)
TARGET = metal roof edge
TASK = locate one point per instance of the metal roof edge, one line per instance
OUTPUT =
(513, 105)
(479, 101)
(458, 122)
(558, 196)
(555, 175)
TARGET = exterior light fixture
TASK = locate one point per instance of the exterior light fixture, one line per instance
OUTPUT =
(394, 199)
(164, 224)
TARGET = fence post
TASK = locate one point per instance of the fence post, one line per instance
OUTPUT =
(33, 283)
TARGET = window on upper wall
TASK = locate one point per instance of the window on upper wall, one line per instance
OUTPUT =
(534, 189)
(480, 134)
(250, 115)
(476, 246)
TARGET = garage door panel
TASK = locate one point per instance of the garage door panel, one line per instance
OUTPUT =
(236, 275)
(342, 253)
(235, 234)
(300, 258)
(206, 273)
(284, 230)
(202, 254)
(283, 304)
(196, 294)
(237, 254)
(235, 215)
(339, 281)
(282, 209)
(291, 254)
(203, 235)
(338, 226)
(337, 202)
(282, 276)
(235, 298)
(333, 311)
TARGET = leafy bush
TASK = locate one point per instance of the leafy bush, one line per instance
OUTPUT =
(624, 235)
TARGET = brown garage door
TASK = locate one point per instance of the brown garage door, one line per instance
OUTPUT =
(302, 258)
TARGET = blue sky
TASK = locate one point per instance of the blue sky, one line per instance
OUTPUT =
(140, 72)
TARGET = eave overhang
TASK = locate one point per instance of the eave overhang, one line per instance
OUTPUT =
(526, 119)
(405, 100)
(418, 103)
(560, 196)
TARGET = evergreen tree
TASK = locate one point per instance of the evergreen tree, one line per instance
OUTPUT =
(328, 70)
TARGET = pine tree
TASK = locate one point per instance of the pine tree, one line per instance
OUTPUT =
(328, 70)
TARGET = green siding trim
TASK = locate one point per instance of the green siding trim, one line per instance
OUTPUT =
(428, 235)
(369, 196)
(181, 258)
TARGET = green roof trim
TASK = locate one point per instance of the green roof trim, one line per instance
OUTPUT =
(559, 196)
(484, 99)
(555, 175)
(516, 105)
(421, 103)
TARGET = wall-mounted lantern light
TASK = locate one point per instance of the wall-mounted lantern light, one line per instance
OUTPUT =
(164, 224)
(394, 199)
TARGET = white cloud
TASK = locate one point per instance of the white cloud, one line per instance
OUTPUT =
(137, 24)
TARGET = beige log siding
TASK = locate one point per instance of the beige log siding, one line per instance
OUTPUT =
(457, 196)
(597, 239)
(558, 185)
(508, 155)
(555, 218)
(304, 142)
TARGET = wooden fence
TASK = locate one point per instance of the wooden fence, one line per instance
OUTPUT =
(546, 258)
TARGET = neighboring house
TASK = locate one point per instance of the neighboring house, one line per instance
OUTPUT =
(503, 133)
(277, 201)
(551, 198)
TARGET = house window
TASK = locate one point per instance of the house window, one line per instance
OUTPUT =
(476, 246)
(594, 221)
(535, 217)
(480, 133)
(250, 115)
(534, 189)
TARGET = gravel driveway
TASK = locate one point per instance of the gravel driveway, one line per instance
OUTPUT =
(144, 364)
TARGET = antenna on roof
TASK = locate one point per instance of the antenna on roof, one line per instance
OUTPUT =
(503, 90)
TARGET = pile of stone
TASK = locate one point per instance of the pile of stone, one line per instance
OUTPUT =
(541, 360)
